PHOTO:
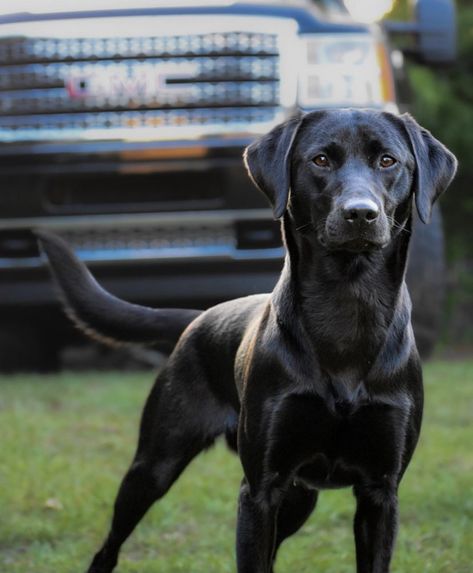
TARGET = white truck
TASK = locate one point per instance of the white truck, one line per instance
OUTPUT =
(122, 126)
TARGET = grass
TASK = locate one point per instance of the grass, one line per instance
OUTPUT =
(66, 441)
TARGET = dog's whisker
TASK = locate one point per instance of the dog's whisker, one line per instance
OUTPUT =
(309, 224)
(397, 225)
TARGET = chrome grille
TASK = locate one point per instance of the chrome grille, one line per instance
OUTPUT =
(217, 94)
(48, 126)
(54, 49)
(151, 237)
(208, 69)
(59, 87)
(152, 242)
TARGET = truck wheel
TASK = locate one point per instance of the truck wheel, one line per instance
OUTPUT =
(24, 348)
(426, 279)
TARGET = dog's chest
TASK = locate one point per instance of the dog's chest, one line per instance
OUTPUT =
(342, 438)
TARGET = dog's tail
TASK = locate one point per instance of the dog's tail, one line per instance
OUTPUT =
(102, 315)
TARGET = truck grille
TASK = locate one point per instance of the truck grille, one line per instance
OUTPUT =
(155, 239)
(130, 87)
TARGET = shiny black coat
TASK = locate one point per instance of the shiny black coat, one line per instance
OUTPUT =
(317, 385)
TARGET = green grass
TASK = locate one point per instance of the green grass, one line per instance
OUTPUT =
(66, 441)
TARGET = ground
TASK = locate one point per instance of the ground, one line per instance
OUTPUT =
(66, 441)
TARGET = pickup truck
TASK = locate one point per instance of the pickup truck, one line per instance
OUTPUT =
(122, 126)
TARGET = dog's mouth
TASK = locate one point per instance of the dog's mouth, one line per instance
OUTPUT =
(354, 245)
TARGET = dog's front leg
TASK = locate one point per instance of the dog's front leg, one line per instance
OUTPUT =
(376, 522)
(261, 494)
(256, 530)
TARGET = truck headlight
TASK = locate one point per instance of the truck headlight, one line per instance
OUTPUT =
(339, 70)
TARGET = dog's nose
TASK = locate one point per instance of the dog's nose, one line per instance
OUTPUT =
(360, 211)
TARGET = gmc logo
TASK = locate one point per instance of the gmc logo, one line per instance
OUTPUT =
(166, 82)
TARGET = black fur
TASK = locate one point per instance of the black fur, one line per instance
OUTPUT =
(320, 381)
(102, 315)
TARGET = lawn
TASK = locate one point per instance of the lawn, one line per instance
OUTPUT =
(66, 441)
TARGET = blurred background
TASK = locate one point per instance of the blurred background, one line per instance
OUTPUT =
(443, 102)
(122, 126)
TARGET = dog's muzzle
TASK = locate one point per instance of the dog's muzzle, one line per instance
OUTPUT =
(357, 224)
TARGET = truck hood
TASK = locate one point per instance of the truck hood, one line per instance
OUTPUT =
(310, 16)
(53, 6)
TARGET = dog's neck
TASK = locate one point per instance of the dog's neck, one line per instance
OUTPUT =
(353, 308)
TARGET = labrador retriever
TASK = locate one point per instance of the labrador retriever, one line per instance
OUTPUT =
(317, 385)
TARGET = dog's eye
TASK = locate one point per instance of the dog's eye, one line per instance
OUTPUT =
(321, 160)
(387, 161)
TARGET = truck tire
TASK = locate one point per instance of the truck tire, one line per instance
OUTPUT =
(427, 281)
(25, 348)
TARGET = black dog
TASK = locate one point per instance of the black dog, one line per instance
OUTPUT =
(319, 383)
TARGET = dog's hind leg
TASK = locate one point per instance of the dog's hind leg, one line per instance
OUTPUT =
(142, 485)
(180, 419)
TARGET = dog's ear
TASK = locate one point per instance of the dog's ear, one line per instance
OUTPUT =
(268, 161)
(435, 167)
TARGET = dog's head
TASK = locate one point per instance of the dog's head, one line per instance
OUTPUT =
(349, 175)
